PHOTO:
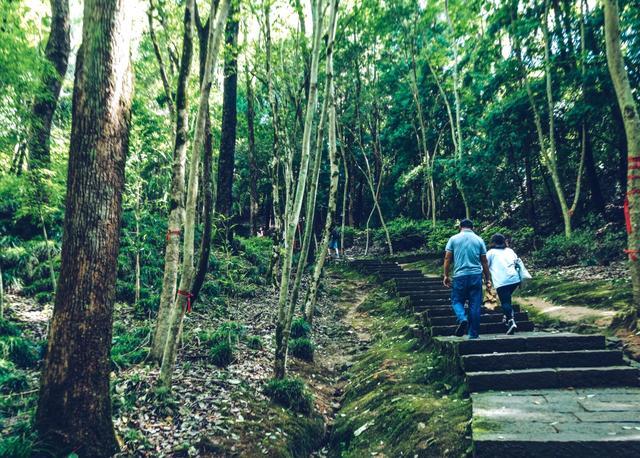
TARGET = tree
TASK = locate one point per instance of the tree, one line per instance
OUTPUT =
(74, 408)
(176, 202)
(183, 298)
(629, 110)
(57, 57)
(229, 117)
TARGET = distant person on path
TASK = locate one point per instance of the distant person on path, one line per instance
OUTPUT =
(334, 242)
(504, 274)
(469, 255)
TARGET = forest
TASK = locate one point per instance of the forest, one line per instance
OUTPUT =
(187, 187)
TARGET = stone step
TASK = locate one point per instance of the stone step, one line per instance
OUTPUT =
(585, 422)
(446, 311)
(485, 328)
(427, 303)
(485, 318)
(541, 359)
(423, 289)
(423, 295)
(530, 341)
(562, 377)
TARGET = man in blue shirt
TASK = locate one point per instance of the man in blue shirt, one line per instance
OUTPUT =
(469, 255)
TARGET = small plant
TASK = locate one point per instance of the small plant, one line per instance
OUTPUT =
(222, 354)
(11, 379)
(19, 350)
(230, 332)
(7, 328)
(130, 348)
(302, 348)
(290, 393)
(255, 343)
(300, 328)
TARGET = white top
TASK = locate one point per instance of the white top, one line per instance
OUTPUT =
(502, 264)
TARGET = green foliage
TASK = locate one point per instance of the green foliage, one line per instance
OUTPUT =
(439, 235)
(222, 354)
(129, 347)
(521, 240)
(257, 250)
(255, 342)
(586, 247)
(18, 350)
(11, 379)
(302, 348)
(7, 328)
(16, 447)
(230, 332)
(290, 393)
(300, 328)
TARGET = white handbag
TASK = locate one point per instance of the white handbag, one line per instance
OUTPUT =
(523, 273)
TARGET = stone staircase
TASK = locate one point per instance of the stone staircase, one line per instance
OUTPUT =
(534, 393)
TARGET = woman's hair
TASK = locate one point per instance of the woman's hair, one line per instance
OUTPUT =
(498, 241)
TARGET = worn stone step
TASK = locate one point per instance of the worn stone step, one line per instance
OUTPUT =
(485, 328)
(529, 341)
(446, 311)
(427, 303)
(541, 359)
(562, 377)
(423, 295)
(485, 318)
(423, 289)
(585, 422)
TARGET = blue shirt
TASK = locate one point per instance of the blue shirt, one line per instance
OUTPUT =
(467, 248)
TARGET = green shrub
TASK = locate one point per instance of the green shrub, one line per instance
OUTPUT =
(302, 348)
(129, 348)
(522, 240)
(290, 393)
(44, 297)
(222, 354)
(38, 286)
(255, 342)
(350, 234)
(438, 236)
(257, 250)
(229, 331)
(7, 328)
(19, 350)
(16, 447)
(300, 328)
(11, 379)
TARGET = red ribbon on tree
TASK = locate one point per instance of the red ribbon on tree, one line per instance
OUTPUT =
(172, 232)
(189, 296)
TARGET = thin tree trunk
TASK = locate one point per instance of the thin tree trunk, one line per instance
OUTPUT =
(629, 111)
(56, 54)
(74, 409)
(229, 117)
(1, 295)
(184, 290)
(176, 200)
(312, 292)
(283, 325)
(251, 153)
(158, 54)
(52, 273)
(345, 189)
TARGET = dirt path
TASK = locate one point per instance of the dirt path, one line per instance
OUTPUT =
(567, 314)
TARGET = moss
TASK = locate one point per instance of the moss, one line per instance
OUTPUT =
(482, 425)
(290, 393)
(402, 398)
(597, 294)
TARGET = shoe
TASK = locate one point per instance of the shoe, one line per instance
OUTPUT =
(462, 328)
(511, 327)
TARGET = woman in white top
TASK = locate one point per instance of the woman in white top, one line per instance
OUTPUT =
(504, 276)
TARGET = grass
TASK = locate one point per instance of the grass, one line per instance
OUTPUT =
(401, 399)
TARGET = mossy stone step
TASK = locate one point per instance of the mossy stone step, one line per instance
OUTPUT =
(583, 422)
(485, 318)
(541, 359)
(485, 328)
(526, 341)
(561, 377)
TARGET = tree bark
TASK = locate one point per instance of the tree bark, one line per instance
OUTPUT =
(283, 324)
(184, 290)
(74, 409)
(629, 110)
(44, 106)
(156, 50)
(176, 200)
(251, 153)
(229, 117)
(312, 293)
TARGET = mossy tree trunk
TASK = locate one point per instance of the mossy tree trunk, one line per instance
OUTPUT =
(294, 205)
(176, 199)
(629, 111)
(312, 293)
(56, 54)
(74, 408)
(184, 291)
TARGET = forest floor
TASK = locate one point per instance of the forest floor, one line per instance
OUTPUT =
(214, 411)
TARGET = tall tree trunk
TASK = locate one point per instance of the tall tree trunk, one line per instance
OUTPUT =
(251, 153)
(312, 293)
(283, 324)
(176, 200)
(229, 117)
(156, 50)
(184, 291)
(629, 112)
(74, 409)
(57, 55)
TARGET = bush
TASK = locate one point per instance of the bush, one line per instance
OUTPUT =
(290, 393)
(7, 328)
(300, 328)
(129, 348)
(222, 354)
(255, 343)
(350, 234)
(230, 331)
(11, 379)
(521, 240)
(302, 348)
(19, 350)
(257, 250)
(438, 236)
